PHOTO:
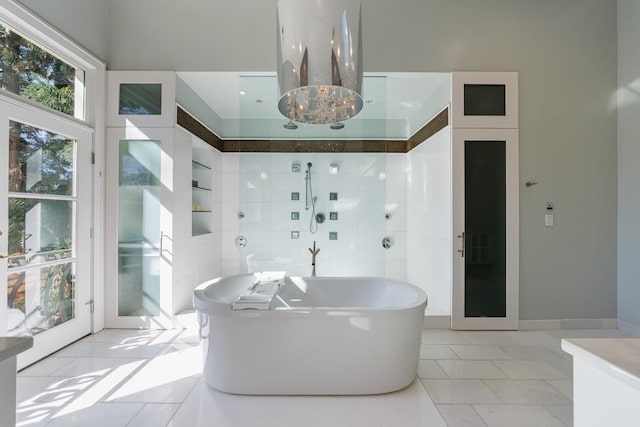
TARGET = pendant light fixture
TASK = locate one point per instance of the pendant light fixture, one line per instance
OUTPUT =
(319, 60)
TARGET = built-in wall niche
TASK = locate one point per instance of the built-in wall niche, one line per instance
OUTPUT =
(484, 100)
(201, 188)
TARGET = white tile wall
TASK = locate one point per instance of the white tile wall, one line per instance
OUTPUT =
(200, 256)
(368, 187)
(413, 189)
(429, 208)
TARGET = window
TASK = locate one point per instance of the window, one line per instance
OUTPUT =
(51, 116)
(32, 72)
(143, 99)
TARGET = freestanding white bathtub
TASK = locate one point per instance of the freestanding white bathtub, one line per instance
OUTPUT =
(321, 335)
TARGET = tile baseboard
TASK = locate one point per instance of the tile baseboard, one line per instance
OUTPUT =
(437, 321)
(444, 322)
(629, 328)
(549, 324)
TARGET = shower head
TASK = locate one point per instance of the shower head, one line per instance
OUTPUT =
(309, 165)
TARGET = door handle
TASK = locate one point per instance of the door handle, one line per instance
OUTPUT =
(461, 250)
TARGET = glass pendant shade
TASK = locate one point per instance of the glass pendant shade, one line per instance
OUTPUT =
(319, 60)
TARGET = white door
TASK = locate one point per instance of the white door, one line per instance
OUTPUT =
(45, 219)
(485, 226)
(139, 227)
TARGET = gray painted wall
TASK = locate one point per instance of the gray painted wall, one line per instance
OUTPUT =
(84, 21)
(628, 157)
(564, 51)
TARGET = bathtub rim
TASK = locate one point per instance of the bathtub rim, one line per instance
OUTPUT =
(216, 304)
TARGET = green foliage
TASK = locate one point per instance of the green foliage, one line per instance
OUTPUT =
(53, 154)
(50, 96)
(39, 161)
(32, 72)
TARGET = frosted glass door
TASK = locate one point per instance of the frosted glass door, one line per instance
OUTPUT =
(139, 222)
(139, 236)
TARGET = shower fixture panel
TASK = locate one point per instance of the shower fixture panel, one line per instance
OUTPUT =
(310, 201)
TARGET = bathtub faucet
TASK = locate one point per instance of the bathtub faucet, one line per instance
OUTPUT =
(314, 252)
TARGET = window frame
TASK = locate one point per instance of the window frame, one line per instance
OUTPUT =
(35, 29)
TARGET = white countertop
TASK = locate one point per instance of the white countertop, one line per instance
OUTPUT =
(12, 346)
(620, 357)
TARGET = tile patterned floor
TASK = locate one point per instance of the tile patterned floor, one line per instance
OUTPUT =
(152, 378)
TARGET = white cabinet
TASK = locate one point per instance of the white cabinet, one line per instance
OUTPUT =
(484, 100)
(606, 381)
(485, 146)
(159, 224)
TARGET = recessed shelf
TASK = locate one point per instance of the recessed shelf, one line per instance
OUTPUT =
(200, 165)
(201, 188)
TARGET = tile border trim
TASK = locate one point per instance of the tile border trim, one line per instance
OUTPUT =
(191, 124)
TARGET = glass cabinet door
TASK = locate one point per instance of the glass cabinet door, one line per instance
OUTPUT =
(485, 224)
(139, 227)
(485, 229)
(139, 235)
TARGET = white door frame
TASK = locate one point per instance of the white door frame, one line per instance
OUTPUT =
(52, 340)
(112, 319)
(458, 319)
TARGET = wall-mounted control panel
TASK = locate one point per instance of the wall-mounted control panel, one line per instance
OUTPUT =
(548, 215)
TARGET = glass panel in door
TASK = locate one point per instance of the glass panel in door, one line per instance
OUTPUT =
(41, 236)
(485, 229)
(139, 238)
(485, 292)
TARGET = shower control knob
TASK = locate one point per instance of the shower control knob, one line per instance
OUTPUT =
(240, 215)
(320, 218)
(387, 242)
(241, 241)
